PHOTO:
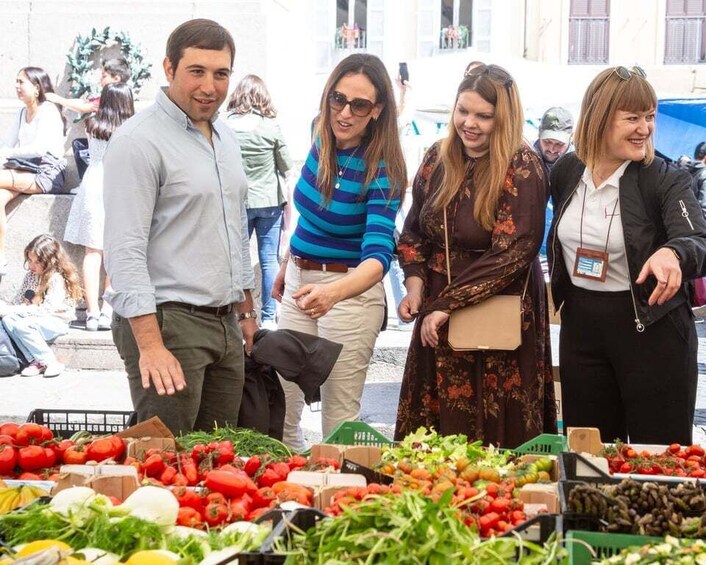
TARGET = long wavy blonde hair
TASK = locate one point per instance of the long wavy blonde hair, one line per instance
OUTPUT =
(495, 85)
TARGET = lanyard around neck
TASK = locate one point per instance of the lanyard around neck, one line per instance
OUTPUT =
(610, 223)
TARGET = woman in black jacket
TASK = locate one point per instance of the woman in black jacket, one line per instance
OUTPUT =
(627, 232)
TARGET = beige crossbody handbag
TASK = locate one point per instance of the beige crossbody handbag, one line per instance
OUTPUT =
(495, 323)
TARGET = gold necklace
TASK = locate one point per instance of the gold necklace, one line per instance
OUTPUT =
(342, 170)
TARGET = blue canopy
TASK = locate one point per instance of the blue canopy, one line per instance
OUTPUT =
(681, 126)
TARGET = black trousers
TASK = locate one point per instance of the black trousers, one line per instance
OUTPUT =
(638, 387)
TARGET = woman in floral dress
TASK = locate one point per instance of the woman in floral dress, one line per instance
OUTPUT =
(495, 192)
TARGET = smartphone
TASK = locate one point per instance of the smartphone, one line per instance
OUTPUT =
(404, 73)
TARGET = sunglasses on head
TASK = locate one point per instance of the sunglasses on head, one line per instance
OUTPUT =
(491, 71)
(359, 106)
(626, 74)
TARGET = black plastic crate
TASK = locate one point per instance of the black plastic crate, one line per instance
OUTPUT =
(65, 423)
(301, 519)
(575, 467)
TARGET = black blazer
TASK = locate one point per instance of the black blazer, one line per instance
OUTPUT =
(657, 209)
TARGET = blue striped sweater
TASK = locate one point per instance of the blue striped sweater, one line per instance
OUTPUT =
(351, 228)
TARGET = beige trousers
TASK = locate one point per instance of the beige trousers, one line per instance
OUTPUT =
(355, 323)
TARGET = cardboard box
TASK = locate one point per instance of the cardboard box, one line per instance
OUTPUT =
(150, 434)
(119, 481)
(541, 495)
(325, 485)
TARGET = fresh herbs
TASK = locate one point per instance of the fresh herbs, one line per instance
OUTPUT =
(246, 442)
(408, 529)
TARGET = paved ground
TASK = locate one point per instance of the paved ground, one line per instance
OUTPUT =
(107, 390)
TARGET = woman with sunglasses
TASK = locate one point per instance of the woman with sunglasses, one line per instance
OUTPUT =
(348, 195)
(627, 232)
(484, 189)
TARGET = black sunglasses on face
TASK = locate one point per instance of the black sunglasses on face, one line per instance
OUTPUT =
(359, 106)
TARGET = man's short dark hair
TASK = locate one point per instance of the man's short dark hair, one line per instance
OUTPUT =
(118, 67)
(200, 34)
(700, 151)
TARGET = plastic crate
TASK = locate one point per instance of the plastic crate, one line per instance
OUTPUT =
(301, 519)
(604, 545)
(356, 433)
(543, 444)
(65, 423)
(575, 467)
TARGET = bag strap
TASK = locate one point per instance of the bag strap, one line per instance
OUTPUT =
(448, 258)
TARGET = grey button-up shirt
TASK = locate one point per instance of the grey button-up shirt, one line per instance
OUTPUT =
(176, 224)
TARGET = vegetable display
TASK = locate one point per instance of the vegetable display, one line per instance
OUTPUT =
(645, 508)
(245, 442)
(673, 551)
(676, 460)
(146, 520)
(407, 528)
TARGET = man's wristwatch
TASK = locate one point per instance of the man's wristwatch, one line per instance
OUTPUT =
(245, 315)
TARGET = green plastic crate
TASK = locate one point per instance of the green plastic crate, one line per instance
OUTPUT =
(356, 433)
(543, 444)
(604, 545)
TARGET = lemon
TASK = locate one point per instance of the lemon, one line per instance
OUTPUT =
(153, 557)
(42, 544)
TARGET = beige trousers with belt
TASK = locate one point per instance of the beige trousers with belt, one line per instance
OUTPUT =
(355, 323)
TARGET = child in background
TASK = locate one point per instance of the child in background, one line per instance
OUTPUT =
(44, 305)
(84, 225)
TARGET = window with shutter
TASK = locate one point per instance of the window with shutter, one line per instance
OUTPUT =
(588, 31)
(685, 32)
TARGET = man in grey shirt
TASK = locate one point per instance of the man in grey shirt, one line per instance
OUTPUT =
(176, 241)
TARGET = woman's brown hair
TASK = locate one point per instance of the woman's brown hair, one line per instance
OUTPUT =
(495, 85)
(251, 95)
(607, 94)
(381, 136)
(53, 258)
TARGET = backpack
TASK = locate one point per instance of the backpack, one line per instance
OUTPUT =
(11, 359)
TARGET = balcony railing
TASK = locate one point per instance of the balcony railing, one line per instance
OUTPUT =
(350, 38)
(453, 37)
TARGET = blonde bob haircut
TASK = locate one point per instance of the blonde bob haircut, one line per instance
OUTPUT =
(495, 85)
(607, 94)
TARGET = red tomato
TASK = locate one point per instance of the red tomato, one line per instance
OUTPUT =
(102, 449)
(29, 433)
(154, 465)
(31, 458)
(75, 455)
(188, 497)
(51, 456)
(28, 477)
(229, 484)
(252, 465)
(47, 434)
(6, 440)
(8, 459)
(60, 448)
(240, 508)
(189, 517)
(215, 514)
(9, 429)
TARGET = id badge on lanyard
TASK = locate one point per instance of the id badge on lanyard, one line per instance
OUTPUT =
(592, 263)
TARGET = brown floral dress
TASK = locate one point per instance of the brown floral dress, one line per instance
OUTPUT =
(499, 397)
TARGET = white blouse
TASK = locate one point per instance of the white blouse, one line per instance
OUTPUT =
(596, 204)
(44, 134)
